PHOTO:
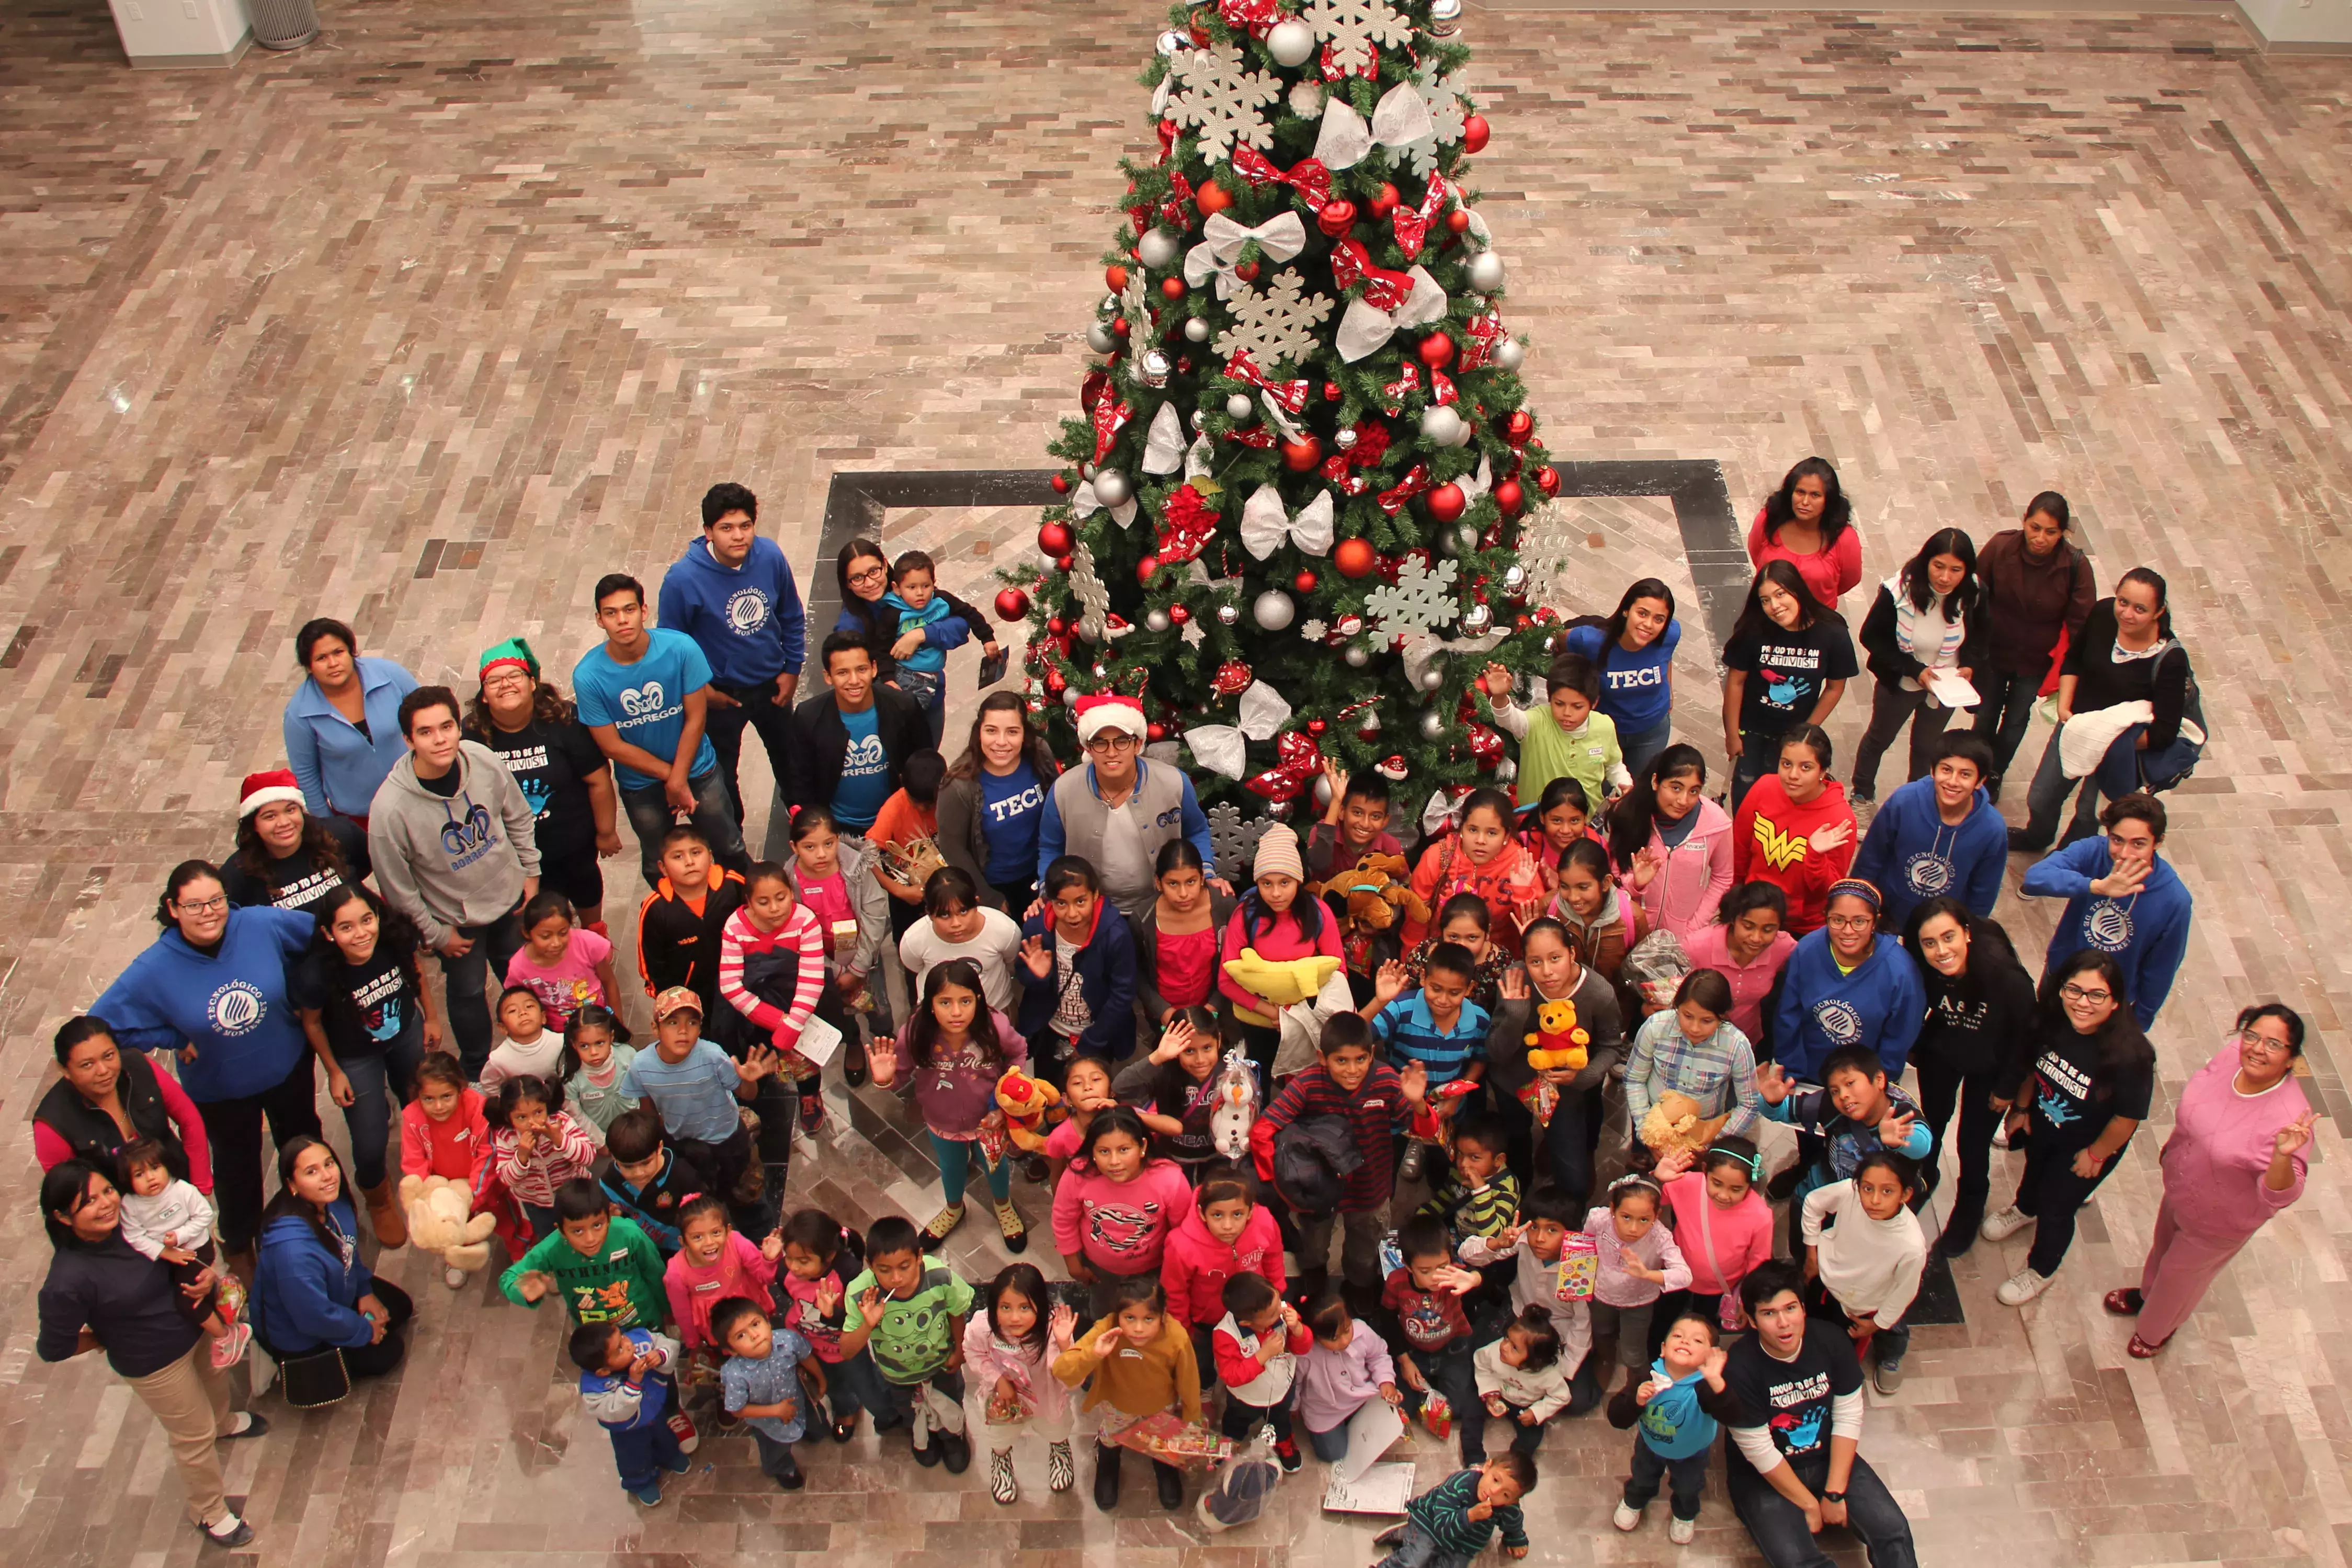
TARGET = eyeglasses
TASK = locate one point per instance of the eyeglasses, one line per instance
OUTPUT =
(506, 680)
(2076, 994)
(871, 575)
(2252, 1041)
(1117, 742)
(213, 905)
(1853, 922)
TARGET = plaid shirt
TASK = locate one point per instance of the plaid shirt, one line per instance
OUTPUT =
(1719, 1072)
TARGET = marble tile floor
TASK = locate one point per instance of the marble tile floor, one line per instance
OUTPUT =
(431, 324)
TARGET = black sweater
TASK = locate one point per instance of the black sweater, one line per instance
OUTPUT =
(2164, 682)
(816, 772)
(1887, 658)
(1983, 1021)
(123, 1297)
(1725, 1408)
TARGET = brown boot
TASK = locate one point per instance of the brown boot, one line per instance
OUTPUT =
(383, 1213)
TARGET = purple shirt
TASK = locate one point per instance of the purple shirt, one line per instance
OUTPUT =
(1332, 1384)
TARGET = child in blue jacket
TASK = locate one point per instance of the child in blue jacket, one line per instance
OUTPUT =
(625, 1384)
(923, 615)
(2121, 898)
(1859, 1109)
(1076, 973)
(1675, 1413)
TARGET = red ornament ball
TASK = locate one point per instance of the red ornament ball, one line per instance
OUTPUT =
(1300, 455)
(1172, 288)
(1145, 568)
(1246, 272)
(1054, 683)
(1331, 393)
(1387, 202)
(1437, 350)
(1012, 604)
(1115, 276)
(1315, 726)
(1510, 497)
(1548, 480)
(1446, 503)
(1458, 220)
(1155, 732)
(1054, 539)
(1355, 557)
(1120, 326)
(1474, 131)
(1179, 613)
(1061, 484)
(1211, 199)
(1336, 218)
(1062, 562)
(1519, 428)
(1056, 626)
(1305, 582)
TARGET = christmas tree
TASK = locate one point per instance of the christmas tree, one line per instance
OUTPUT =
(1304, 463)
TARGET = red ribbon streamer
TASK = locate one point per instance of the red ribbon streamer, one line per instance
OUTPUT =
(1412, 484)
(1352, 264)
(1484, 333)
(1394, 391)
(1109, 415)
(1412, 223)
(1308, 176)
(1291, 395)
(1257, 16)
(1441, 387)
(1297, 760)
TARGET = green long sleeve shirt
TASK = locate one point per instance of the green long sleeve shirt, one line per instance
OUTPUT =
(620, 1282)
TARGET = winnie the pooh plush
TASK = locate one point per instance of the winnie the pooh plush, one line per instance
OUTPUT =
(441, 1219)
(1674, 1122)
(1555, 1044)
(1031, 1107)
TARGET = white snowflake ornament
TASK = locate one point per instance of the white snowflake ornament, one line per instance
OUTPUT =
(1222, 101)
(1093, 594)
(1313, 631)
(1235, 841)
(1355, 29)
(1445, 112)
(1274, 326)
(1420, 600)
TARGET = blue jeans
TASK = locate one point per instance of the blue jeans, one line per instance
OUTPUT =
(1331, 1446)
(642, 1453)
(2123, 770)
(1778, 1525)
(714, 814)
(1759, 754)
(467, 982)
(379, 1085)
(854, 1384)
(1641, 746)
(1418, 1548)
(955, 1159)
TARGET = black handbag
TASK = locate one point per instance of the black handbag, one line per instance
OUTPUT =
(315, 1378)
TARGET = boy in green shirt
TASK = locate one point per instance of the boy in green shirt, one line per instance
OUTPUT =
(1567, 737)
(909, 1310)
(608, 1269)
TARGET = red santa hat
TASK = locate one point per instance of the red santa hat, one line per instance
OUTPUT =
(267, 789)
(1108, 712)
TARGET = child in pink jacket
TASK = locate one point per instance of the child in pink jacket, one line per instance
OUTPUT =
(1117, 1205)
(713, 1261)
(1009, 1349)
(1228, 1232)
(1722, 1225)
(1672, 845)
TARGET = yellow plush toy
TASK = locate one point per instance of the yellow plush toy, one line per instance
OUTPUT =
(440, 1219)
(1673, 1123)
(1030, 1106)
(1279, 983)
(1556, 1041)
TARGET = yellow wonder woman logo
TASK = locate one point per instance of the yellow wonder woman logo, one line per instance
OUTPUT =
(1780, 850)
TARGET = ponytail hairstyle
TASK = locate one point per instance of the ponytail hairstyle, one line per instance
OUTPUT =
(587, 1016)
(1783, 574)
(1749, 897)
(1635, 817)
(1814, 739)
(818, 1233)
(2147, 577)
(185, 873)
(515, 1091)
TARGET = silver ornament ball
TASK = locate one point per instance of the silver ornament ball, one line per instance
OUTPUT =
(1432, 678)
(1370, 724)
(1465, 537)
(1070, 695)
(1475, 620)
(1274, 610)
(1485, 272)
(1515, 578)
(1345, 439)
(1505, 770)
(1449, 543)
(1510, 353)
(1156, 620)
(1445, 18)
(1229, 614)
(1111, 488)
(1196, 330)
(1356, 658)
(1101, 339)
(1322, 791)
(1433, 725)
(1152, 368)
(1440, 424)
(1157, 248)
(1291, 42)
(1238, 406)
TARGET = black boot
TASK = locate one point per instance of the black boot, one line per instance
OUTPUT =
(1171, 1485)
(1107, 1477)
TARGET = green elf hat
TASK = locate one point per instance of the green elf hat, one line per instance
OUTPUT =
(514, 650)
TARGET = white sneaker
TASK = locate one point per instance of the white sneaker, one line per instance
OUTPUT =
(1626, 1517)
(2020, 1288)
(2000, 1135)
(2002, 1224)
(454, 1278)
(1683, 1531)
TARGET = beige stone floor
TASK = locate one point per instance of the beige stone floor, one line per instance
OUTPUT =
(429, 324)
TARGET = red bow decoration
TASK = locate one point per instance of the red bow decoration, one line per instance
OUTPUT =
(1372, 71)
(1291, 395)
(1257, 16)
(1412, 484)
(1308, 176)
(1393, 393)
(1187, 524)
(1412, 223)
(1441, 387)
(1260, 435)
(1180, 191)
(1297, 760)
(1108, 413)
(1352, 264)
(1484, 333)
(1371, 444)
(1486, 746)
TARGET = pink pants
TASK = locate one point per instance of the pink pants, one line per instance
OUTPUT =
(2181, 1266)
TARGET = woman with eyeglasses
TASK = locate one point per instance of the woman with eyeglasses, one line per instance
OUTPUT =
(212, 988)
(563, 774)
(2092, 1077)
(864, 573)
(1846, 987)
(2236, 1158)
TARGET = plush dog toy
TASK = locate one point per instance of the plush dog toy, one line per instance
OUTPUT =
(1376, 893)
(1673, 1123)
(1031, 1107)
(440, 1219)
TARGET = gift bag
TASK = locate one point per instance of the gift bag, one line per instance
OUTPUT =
(1580, 1268)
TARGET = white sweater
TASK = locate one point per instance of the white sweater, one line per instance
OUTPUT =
(1869, 1265)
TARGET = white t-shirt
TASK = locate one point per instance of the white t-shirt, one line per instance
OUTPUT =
(994, 948)
(512, 1059)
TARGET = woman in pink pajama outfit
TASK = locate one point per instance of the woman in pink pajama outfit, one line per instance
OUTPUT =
(2234, 1159)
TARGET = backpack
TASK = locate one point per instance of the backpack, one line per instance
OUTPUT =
(1313, 1158)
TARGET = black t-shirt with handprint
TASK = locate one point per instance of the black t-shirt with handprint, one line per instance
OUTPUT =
(2062, 1094)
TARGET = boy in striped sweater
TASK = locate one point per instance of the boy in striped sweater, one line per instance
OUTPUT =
(771, 956)
(1451, 1524)
(1437, 1026)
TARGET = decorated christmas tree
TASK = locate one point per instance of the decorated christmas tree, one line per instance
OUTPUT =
(1295, 496)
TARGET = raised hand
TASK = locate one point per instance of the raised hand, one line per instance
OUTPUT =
(1524, 912)
(1497, 683)
(1647, 863)
(1772, 1083)
(772, 1248)
(759, 1062)
(1107, 1344)
(1830, 837)
(828, 1296)
(534, 1285)
(1513, 986)
(1392, 981)
(1033, 954)
(2127, 878)
(869, 1305)
(1416, 1078)
(1896, 1128)
(1674, 1163)
(1063, 1326)
(1171, 1044)
(2294, 1136)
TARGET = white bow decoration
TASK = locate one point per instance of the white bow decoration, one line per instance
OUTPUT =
(1084, 502)
(1366, 327)
(1402, 116)
(1163, 448)
(1264, 713)
(1441, 815)
(1220, 748)
(1264, 526)
(1280, 238)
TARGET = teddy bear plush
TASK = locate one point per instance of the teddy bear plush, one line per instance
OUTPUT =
(441, 1219)
(1031, 1107)
(1556, 1041)
(1674, 1122)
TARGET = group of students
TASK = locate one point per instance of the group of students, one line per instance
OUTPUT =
(1066, 936)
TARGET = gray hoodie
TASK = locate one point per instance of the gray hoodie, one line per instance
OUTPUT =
(455, 862)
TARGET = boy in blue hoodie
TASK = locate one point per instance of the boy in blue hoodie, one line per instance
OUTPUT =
(2121, 898)
(1846, 985)
(1936, 836)
(1675, 1413)
(1858, 1110)
(927, 628)
(622, 1385)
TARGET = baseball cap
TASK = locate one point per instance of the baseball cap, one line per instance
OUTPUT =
(676, 999)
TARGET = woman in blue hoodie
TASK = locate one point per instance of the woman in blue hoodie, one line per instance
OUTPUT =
(1845, 985)
(310, 1291)
(212, 990)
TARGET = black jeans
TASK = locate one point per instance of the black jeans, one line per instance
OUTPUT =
(375, 1360)
(1241, 1417)
(1778, 1525)
(1891, 708)
(2005, 712)
(234, 1128)
(1688, 1476)
(2053, 1194)
(755, 707)
(1940, 1090)
(1569, 1141)
(468, 982)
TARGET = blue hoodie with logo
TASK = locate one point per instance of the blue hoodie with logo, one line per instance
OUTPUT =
(1911, 854)
(2147, 933)
(1879, 1006)
(231, 1005)
(746, 620)
(305, 1295)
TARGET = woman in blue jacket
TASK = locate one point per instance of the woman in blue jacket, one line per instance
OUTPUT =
(1635, 652)
(1083, 1006)
(310, 1291)
(342, 723)
(212, 990)
(1847, 985)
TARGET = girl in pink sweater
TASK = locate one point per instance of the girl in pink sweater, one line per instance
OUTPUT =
(1722, 1224)
(1113, 1213)
(1009, 1383)
(1228, 1232)
(714, 1260)
(772, 970)
(1672, 845)
(1278, 923)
